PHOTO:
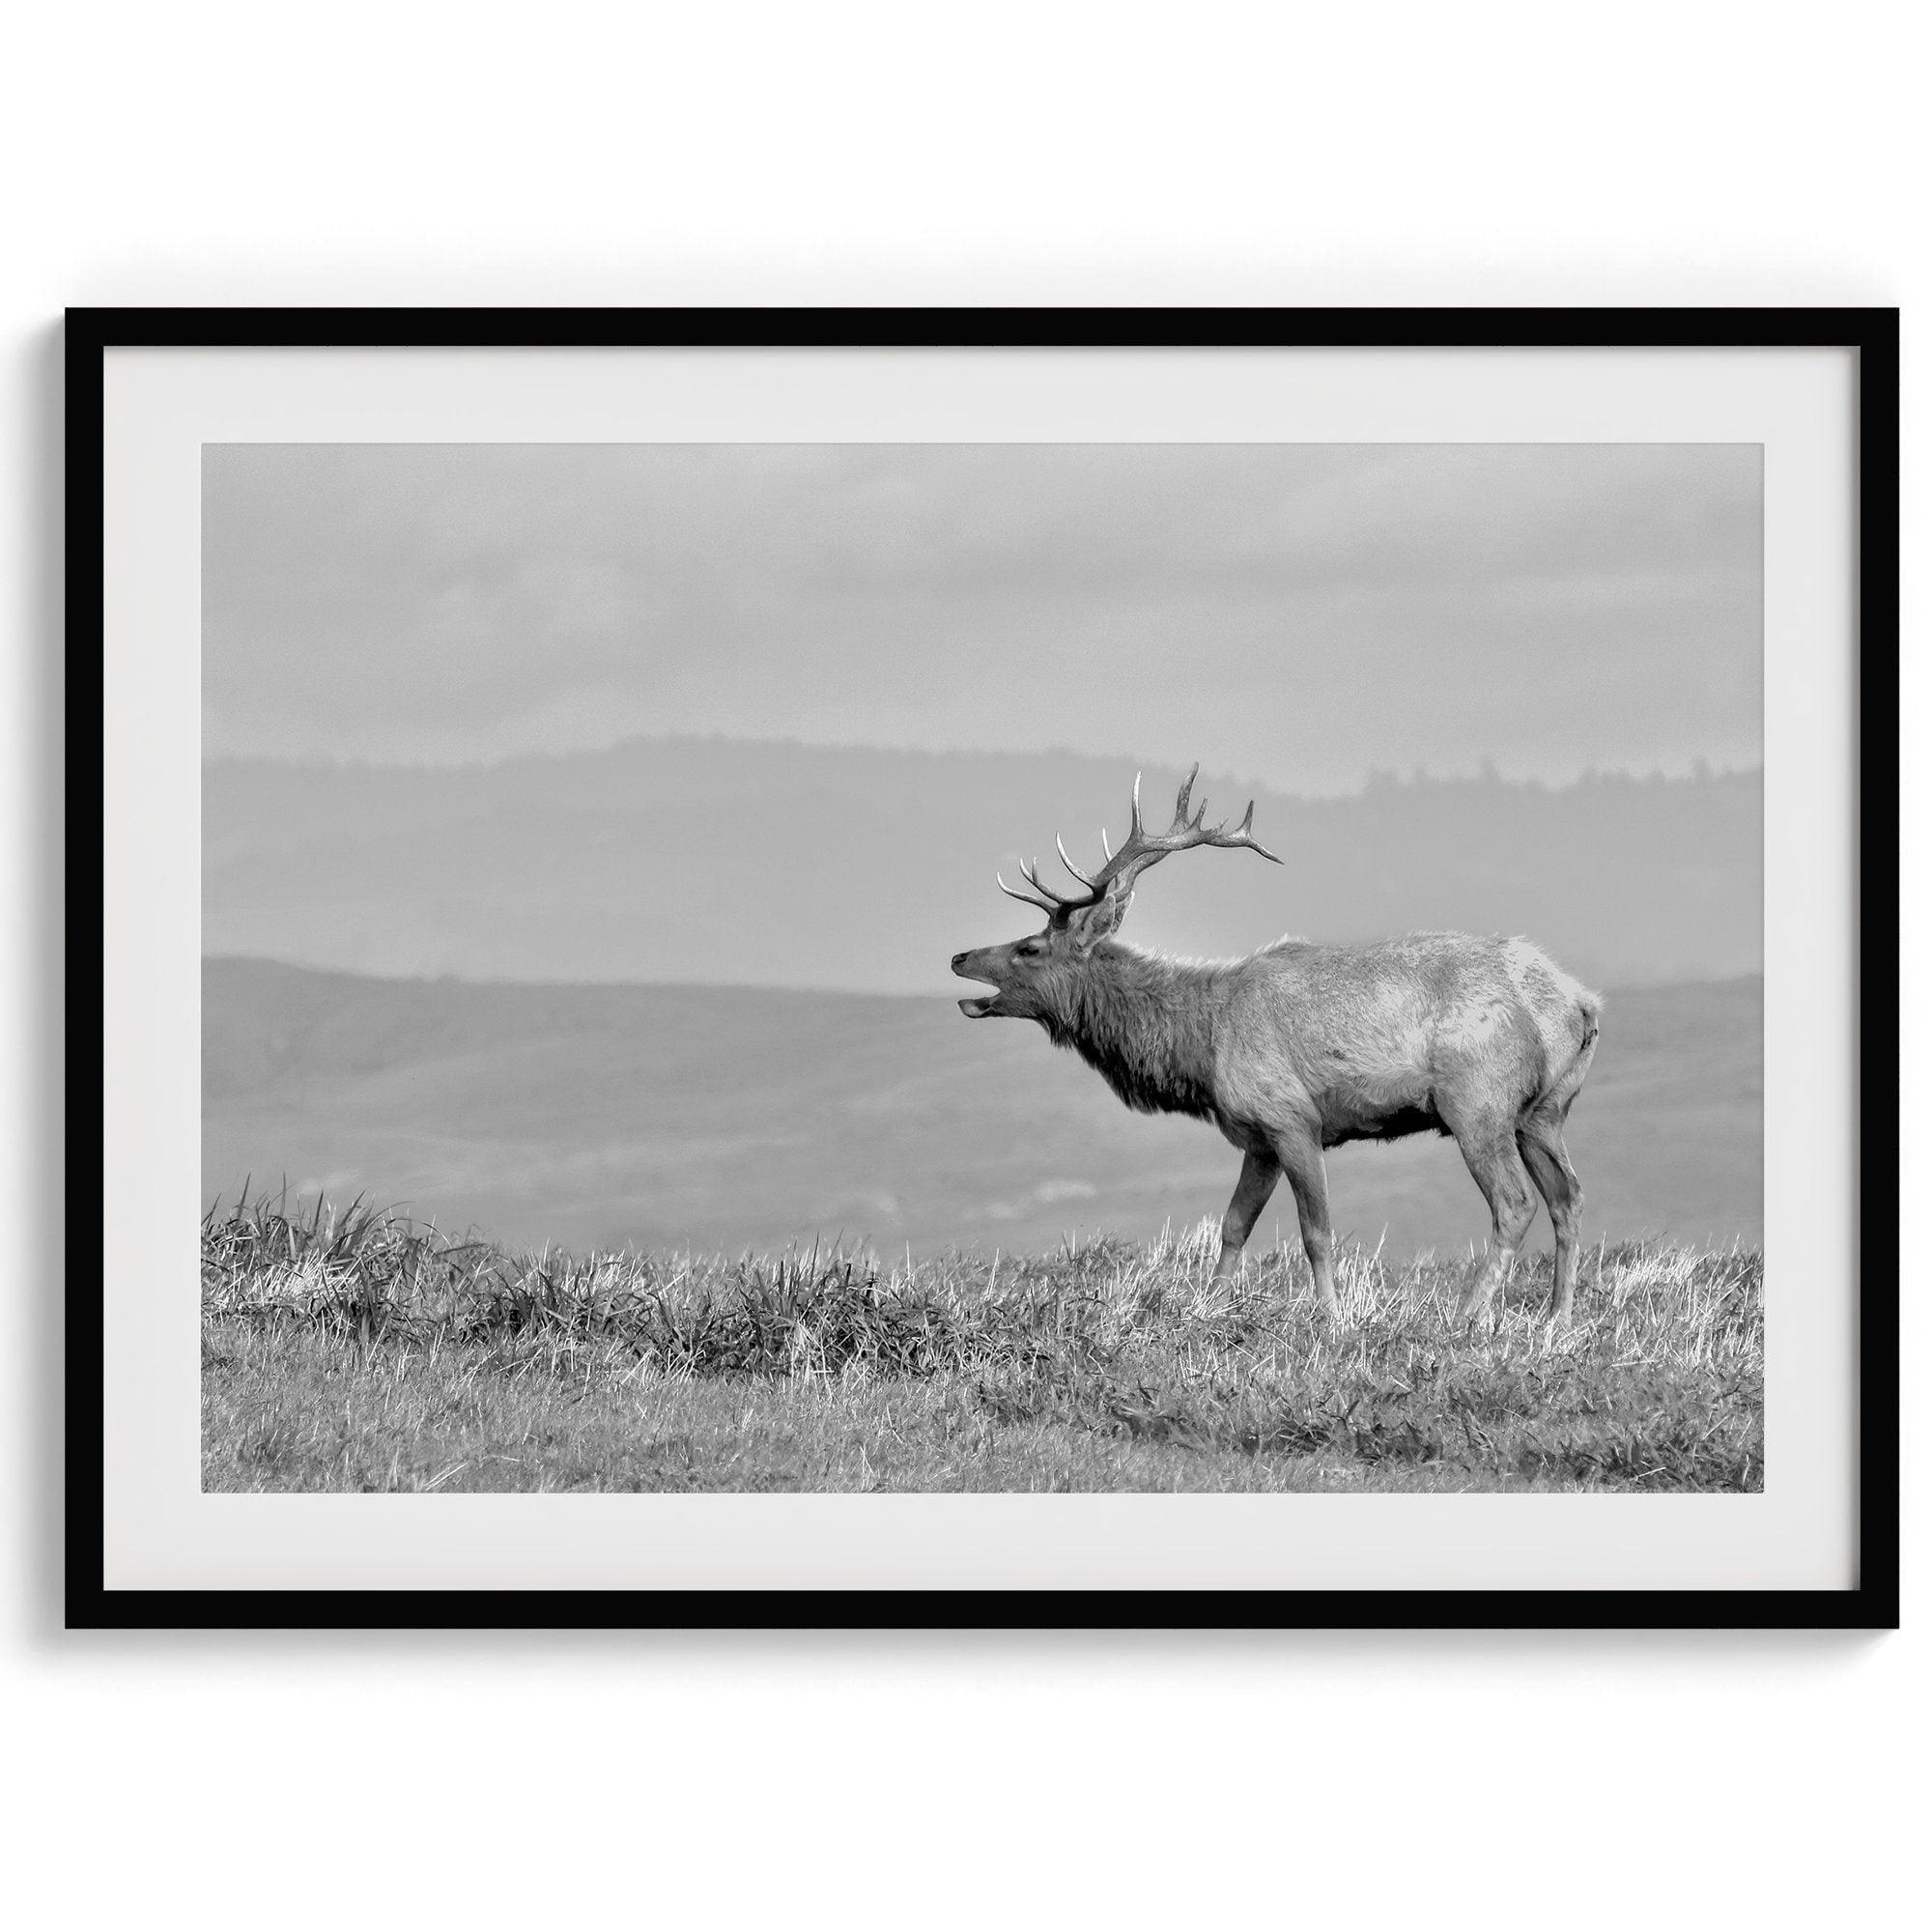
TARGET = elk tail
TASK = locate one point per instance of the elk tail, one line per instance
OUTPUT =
(1589, 1009)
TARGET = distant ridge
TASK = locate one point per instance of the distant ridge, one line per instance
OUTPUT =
(765, 863)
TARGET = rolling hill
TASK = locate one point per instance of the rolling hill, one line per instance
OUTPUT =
(733, 1117)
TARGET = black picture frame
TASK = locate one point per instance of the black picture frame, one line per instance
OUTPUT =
(1872, 333)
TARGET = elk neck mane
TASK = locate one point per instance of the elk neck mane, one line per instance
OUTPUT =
(1144, 1023)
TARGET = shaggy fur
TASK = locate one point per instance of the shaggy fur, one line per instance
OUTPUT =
(1300, 1047)
(1144, 1024)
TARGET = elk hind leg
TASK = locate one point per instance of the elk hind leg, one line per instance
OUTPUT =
(1540, 1141)
(1259, 1173)
(1492, 1159)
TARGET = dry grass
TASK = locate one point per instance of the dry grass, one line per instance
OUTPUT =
(359, 1350)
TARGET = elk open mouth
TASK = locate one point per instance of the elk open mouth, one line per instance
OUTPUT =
(978, 1008)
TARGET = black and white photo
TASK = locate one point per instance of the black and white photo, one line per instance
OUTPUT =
(588, 836)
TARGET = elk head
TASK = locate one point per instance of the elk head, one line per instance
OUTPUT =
(1027, 974)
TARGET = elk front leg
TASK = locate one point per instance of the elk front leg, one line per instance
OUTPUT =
(1259, 1175)
(1302, 1161)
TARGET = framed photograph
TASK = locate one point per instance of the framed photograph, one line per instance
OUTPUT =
(1024, 967)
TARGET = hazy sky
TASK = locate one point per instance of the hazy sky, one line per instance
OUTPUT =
(1299, 613)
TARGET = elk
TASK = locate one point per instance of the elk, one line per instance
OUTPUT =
(1300, 1047)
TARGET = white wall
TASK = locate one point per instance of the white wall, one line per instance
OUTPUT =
(1412, 153)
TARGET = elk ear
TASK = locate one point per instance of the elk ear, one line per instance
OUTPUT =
(1092, 924)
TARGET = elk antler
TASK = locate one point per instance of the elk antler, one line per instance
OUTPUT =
(1142, 849)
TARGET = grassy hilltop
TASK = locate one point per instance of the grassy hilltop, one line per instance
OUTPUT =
(362, 1351)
